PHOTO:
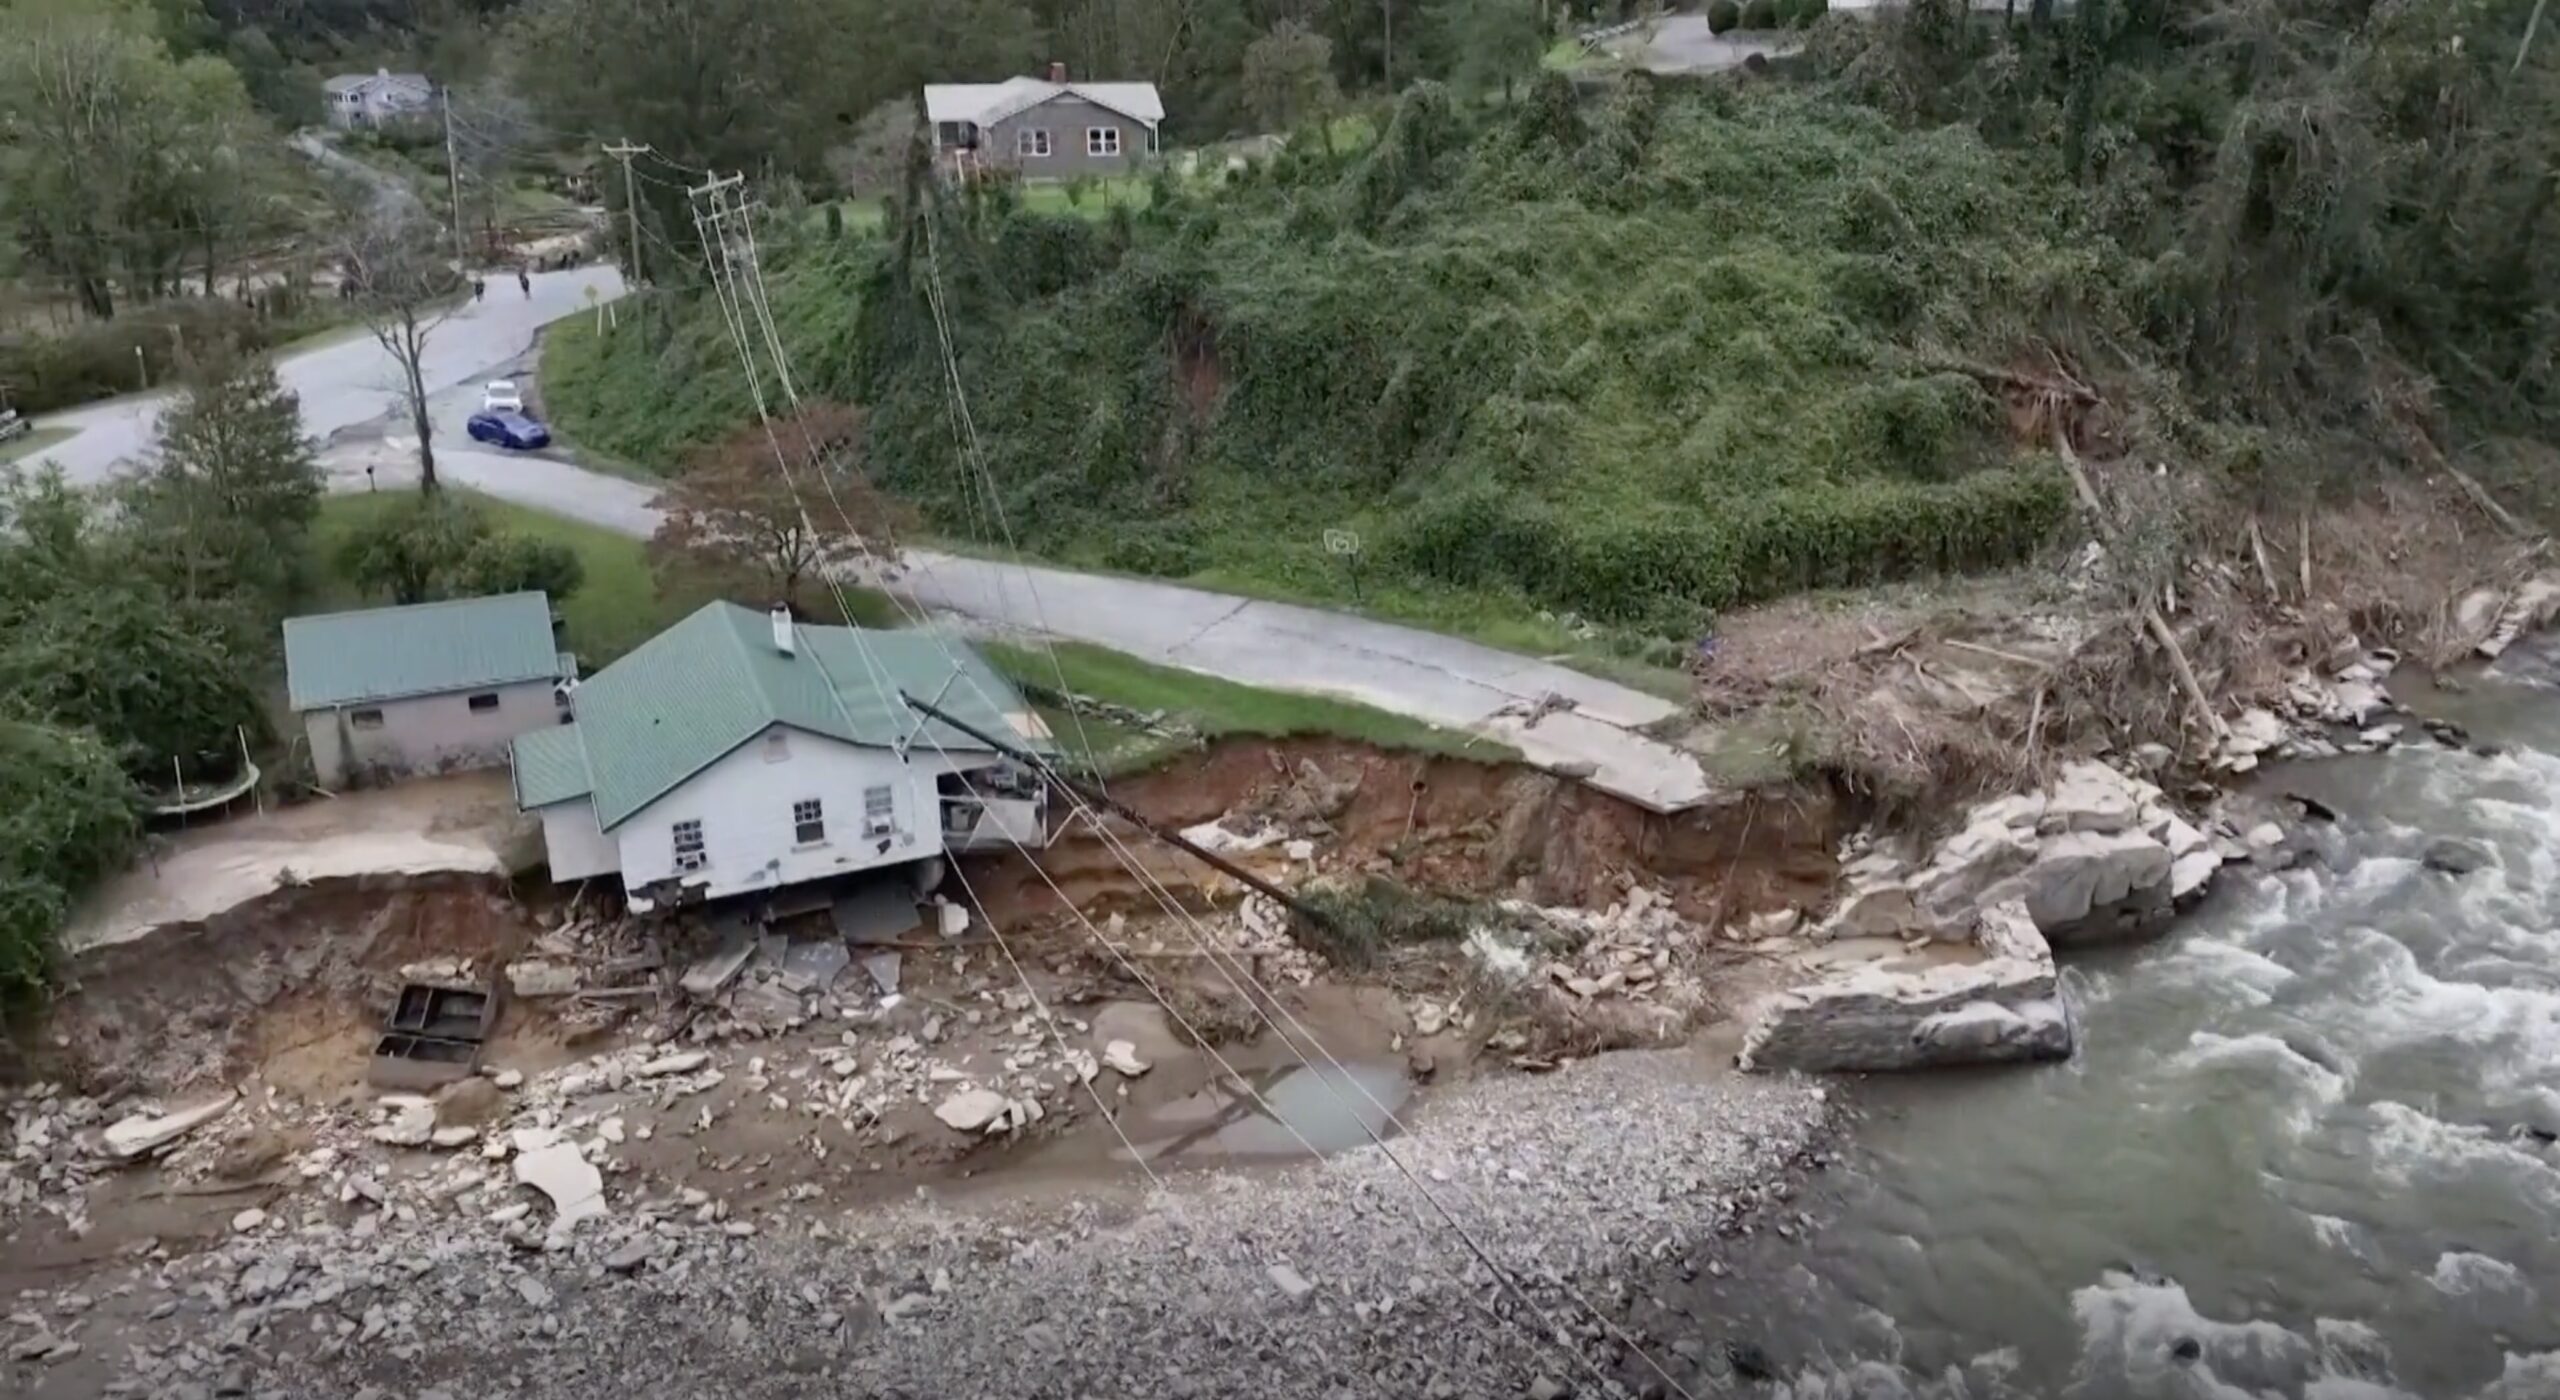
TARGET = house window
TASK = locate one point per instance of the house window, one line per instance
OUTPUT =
(689, 854)
(1151, 140)
(879, 809)
(1031, 143)
(809, 822)
(1102, 140)
(366, 719)
(484, 702)
(777, 747)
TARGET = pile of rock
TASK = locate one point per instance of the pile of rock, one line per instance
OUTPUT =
(2098, 855)
(1639, 948)
(2317, 716)
(2101, 855)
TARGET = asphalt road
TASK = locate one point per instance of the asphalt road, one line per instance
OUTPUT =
(351, 381)
(350, 396)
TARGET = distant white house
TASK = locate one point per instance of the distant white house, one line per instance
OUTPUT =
(372, 99)
(427, 688)
(738, 752)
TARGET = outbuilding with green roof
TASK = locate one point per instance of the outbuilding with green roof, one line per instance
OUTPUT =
(423, 688)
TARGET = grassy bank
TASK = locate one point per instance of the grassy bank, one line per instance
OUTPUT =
(31, 444)
(1210, 707)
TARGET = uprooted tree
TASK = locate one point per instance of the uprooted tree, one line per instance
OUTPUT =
(740, 522)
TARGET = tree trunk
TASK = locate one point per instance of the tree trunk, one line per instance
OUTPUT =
(418, 418)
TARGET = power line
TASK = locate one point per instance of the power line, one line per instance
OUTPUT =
(726, 284)
(736, 320)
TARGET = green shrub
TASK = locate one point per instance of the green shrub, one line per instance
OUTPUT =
(1724, 16)
(1760, 14)
(97, 361)
(1354, 926)
(1802, 14)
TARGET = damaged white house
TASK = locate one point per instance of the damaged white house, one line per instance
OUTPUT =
(738, 752)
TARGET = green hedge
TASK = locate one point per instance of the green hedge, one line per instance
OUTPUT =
(41, 373)
(1760, 14)
(1657, 570)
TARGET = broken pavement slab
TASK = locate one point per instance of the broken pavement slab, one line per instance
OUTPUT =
(132, 1137)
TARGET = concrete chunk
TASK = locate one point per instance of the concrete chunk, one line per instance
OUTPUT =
(563, 1173)
(143, 1132)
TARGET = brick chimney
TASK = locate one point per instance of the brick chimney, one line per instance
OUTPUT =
(1057, 71)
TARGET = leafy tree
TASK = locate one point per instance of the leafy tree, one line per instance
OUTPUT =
(67, 817)
(1723, 16)
(876, 158)
(410, 553)
(516, 563)
(736, 524)
(116, 160)
(288, 91)
(154, 678)
(437, 547)
(1489, 43)
(1288, 79)
(222, 510)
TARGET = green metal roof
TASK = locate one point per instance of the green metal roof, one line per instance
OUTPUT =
(550, 766)
(715, 680)
(423, 649)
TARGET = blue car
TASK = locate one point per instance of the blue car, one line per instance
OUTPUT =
(509, 429)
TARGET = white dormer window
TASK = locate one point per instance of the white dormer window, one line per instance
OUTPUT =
(1032, 143)
(1102, 140)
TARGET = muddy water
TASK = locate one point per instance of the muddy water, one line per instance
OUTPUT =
(2297, 1157)
(1276, 1114)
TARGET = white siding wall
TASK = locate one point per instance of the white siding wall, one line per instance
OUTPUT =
(744, 803)
(577, 848)
(425, 733)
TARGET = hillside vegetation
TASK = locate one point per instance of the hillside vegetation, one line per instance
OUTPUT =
(1651, 352)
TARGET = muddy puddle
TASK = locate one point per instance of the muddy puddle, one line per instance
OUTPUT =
(1274, 1115)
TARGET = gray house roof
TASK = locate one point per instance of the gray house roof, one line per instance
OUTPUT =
(424, 649)
(698, 690)
(985, 104)
(353, 82)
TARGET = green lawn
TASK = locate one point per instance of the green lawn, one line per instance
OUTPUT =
(616, 609)
(1215, 708)
(32, 443)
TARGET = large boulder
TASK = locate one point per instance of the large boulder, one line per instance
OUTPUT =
(2090, 884)
(2002, 1008)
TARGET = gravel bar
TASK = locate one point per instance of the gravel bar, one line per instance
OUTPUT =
(1324, 1279)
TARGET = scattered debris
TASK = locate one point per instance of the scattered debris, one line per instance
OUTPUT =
(561, 1172)
(1122, 1057)
(971, 1110)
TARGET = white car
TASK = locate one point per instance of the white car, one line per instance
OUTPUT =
(501, 396)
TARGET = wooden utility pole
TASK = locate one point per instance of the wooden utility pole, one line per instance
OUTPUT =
(453, 179)
(624, 151)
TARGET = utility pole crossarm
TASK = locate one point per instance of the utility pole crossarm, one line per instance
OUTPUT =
(624, 151)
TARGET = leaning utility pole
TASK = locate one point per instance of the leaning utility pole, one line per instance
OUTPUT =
(624, 151)
(453, 179)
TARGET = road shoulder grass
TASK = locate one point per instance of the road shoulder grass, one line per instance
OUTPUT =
(1210, 707)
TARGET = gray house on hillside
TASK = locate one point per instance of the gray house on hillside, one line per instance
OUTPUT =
(1042, 128)
(377, 98)
(428, 688)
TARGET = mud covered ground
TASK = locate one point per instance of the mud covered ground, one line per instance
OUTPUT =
(785, 1192)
